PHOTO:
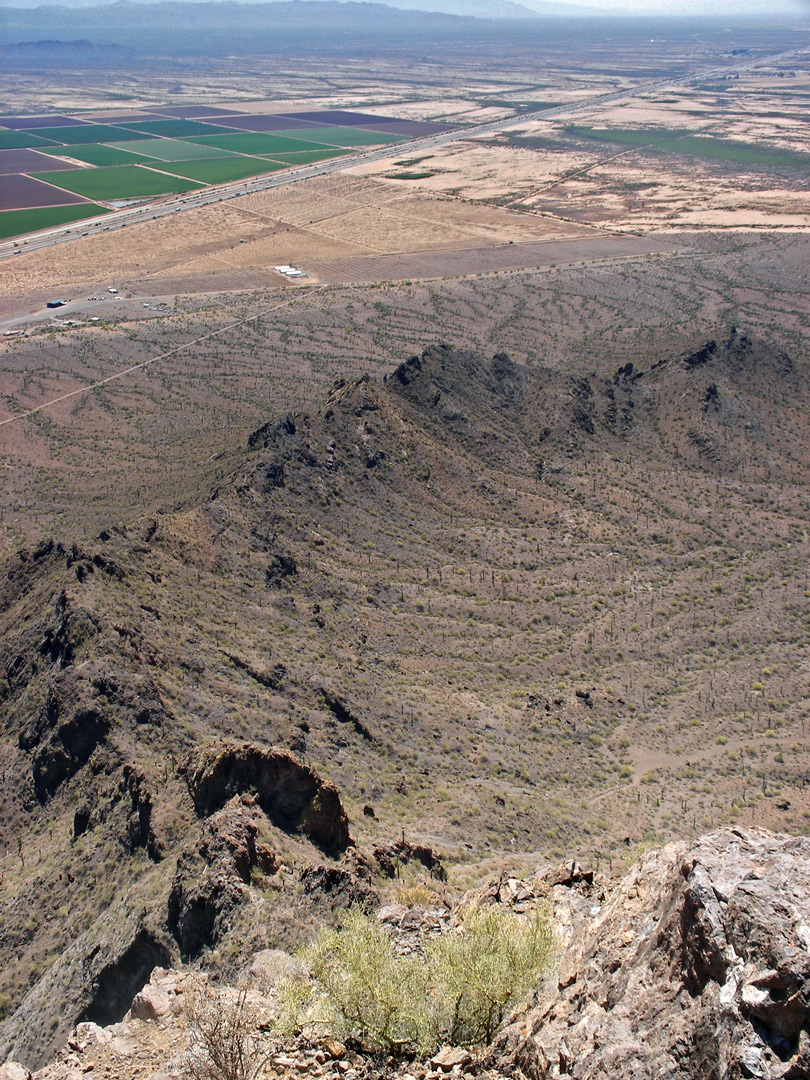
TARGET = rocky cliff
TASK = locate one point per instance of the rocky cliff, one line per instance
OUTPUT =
(498, 607)
(697, 967)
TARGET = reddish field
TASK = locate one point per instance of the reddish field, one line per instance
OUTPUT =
(407, 127)
(126, 118)
(194, 112)
(266, 122)
(18, 161)
(18, 123)
(341, 116)
(20, 192)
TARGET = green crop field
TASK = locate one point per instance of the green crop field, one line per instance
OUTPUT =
(99, 154)
(308, 157)
(118, 182)
(16, 222)
(678, 141)
(175, 129)
(220, 170)
(171, 150)
(343, 136)
(14, 140)
(78, 135)
(252, 143)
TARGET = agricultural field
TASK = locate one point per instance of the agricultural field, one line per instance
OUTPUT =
(11, 140)
(27, 161)
(344, 136)
(15, 222)
(678, 141)
(245, 143)
(81, 165)
(101, 154)
(80, 134)
(118, 181)
(173, 129)
(268, 122)
(307, 157)
(165, 150)
(221, 170)
(20, 191)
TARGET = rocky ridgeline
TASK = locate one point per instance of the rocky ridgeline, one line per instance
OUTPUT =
(696, 965)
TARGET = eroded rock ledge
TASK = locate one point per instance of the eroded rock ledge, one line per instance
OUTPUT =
(292, 795)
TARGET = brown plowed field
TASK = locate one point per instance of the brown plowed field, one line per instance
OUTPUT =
(20, 161)
(19, 192)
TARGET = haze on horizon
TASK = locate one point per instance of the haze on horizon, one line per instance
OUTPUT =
(693, 7)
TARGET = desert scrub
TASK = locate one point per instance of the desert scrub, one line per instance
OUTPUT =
(459, 990)
(225, 1036)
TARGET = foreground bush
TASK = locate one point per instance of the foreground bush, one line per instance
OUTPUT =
(226, 1044)
(480, 973)
(459, 990)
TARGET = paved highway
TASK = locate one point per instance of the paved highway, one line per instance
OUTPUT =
(192, 200)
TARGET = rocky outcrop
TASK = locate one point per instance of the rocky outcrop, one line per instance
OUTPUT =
(84, 702)
(94, 979)
(697, 967)
(211, 879)
(343, 713)
(291, 794)
(240, 792)
(390, 857)
(341, 886)
(126, 812)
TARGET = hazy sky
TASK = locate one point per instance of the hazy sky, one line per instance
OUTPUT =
(709, 7)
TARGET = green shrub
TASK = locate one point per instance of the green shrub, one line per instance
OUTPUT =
(482, 971)
(358, 983)
(459, 990)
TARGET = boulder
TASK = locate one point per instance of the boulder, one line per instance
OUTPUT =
(161, 1000)
(451, 1057)
(12, 1070)
(153, 1003)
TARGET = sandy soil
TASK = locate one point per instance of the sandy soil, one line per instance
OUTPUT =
(327, 218)
(563, 189)
(473, 170)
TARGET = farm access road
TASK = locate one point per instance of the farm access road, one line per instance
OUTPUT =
(207, 196)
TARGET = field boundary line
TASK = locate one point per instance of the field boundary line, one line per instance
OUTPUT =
(150, 361)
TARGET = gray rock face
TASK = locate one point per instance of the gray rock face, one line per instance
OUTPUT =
(94, 979)
(697, 967)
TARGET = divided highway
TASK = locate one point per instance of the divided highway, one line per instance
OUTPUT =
(155, 210)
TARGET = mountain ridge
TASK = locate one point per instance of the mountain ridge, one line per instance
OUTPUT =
(410, 577)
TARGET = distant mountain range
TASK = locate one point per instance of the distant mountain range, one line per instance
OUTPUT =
(284, 27)
(500, 10)
(477, 9)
